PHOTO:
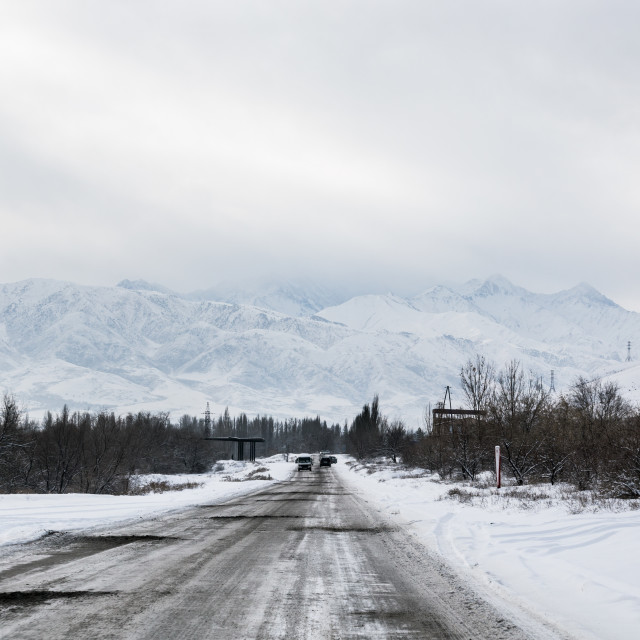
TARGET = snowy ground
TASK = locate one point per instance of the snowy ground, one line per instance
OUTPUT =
(558, 560)
(25, 517)
(575, 564)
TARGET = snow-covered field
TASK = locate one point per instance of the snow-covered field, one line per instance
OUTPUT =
(580, 570)
(573, 564)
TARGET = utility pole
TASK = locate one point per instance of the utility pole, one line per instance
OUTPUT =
(207, 422)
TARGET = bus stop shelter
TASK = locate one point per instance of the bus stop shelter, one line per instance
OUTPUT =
(241, 442)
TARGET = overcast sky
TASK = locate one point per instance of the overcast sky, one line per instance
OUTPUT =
(388, 146)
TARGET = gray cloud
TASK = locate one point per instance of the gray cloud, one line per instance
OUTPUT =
(388, 144)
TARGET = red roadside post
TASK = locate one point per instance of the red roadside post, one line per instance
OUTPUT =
(498, 479)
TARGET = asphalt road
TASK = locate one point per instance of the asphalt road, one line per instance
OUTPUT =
(302, 559)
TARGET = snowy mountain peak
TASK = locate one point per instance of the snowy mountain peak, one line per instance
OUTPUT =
(497, 285)
(371, 312)
(143, 285)
(297, 299)
(586, 294)
(440, 299)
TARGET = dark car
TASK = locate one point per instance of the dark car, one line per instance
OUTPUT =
(334, 460)
(325, 461)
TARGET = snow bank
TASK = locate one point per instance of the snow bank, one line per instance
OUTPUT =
(25, 517)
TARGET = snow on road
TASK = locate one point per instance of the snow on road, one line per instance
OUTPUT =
(581, 571)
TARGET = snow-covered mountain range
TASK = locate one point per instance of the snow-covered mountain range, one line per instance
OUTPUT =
(294, 351)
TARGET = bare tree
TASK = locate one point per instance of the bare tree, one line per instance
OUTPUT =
(58, 454)
(477, 379)
(394, 440)
(517, 410)
(365, 432)
(11, 442)
(625, 479)
(599, 419)
(104, 451)
(557, 445)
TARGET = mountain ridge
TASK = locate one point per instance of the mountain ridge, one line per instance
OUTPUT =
(143, 347)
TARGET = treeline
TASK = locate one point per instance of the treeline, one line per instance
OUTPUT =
(99, 452)
(292, 435)
(589, 436)
(91, 453)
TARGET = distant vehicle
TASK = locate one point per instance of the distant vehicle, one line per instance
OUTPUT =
(304, 462)
(325, 461)
(334, 460)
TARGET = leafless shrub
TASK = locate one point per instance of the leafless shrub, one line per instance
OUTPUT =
(260, 473)
(528, 494)
(162, 486)
(254, 474)
(465, 496)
